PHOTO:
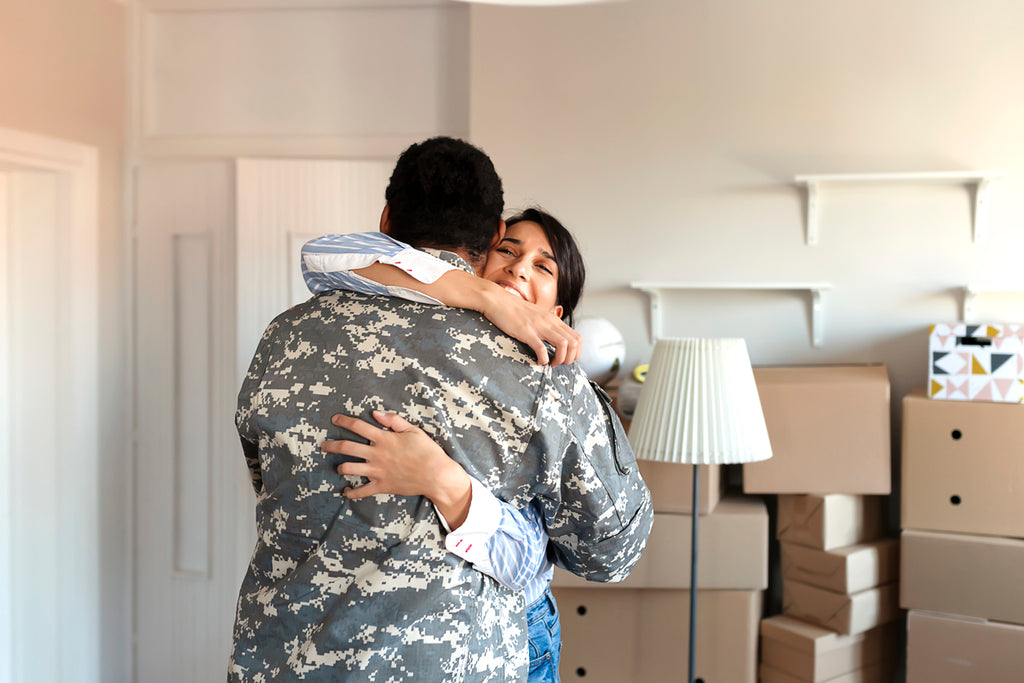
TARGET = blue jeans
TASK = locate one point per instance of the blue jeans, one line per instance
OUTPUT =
(545, 634)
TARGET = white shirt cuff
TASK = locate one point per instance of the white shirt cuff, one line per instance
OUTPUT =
(420, 265)
(470, 541)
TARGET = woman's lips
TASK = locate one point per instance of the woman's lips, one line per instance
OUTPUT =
(512, 289)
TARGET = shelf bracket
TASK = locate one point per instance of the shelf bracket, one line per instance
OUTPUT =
(817, 313)
(967, 311)
(981, 208)
(811, 188)
(654, 296)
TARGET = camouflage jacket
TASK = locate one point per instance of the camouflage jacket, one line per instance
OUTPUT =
(364, 590)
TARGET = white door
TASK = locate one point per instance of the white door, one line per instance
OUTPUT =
(216, 259)
(49, 496)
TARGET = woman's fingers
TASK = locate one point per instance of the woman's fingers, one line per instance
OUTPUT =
(357, 492)
(346, 447)
(541, 351)
(356, 426)
(394, 422)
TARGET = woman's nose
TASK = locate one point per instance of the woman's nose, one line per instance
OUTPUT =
(518, 268)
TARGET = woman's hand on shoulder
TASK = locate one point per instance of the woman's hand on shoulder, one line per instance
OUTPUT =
(532, 325)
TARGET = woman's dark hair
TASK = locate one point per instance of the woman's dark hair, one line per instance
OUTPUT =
(445, 193)
(571, 271)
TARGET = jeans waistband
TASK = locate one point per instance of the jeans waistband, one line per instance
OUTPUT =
(547, 599)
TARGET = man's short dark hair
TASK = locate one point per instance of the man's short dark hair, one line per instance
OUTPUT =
(445, 193)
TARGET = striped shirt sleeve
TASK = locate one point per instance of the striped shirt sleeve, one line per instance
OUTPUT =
(498, 540)
(328, 262)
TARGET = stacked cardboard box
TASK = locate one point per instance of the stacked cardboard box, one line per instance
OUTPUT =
(637, 630)
(831, 464)
(962, 554)
(839, 591)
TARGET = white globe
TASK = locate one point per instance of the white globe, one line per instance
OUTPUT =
(603, 351)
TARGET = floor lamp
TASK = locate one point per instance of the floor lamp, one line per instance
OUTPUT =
(699, 406)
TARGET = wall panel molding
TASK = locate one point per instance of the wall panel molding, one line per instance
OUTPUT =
(352, 79)
(280, 204)
(193, 351)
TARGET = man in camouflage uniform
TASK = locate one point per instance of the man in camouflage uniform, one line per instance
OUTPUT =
(364, 590)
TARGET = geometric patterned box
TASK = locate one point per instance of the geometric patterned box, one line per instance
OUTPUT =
(972, 362)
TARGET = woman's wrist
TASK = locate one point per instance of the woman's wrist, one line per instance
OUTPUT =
(452, 494)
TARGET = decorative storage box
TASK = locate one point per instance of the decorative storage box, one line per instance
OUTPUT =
(962, 466)
(976, 362)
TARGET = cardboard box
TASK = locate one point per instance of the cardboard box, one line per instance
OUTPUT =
(963, 469)
(943, 648)
(976, 362)
(848, 569)
(732, 551)
(829, 427)
(977, 576)
(830, 521)
(643, 635)
(839, 612)
(805, 652)
(671, 486)
(873, 673)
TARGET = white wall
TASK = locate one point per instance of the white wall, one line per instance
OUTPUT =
(667, 133)
(62, 69)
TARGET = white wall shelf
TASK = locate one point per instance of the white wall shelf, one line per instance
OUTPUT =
(982, 180)
(654, 291)
(971, 291)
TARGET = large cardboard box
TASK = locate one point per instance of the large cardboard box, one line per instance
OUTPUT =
(978, 576)
(944, 648)
(618, 636)
(872, 673)
(830, 521)
(848, 569)
(671, 486)
(839, 612)
(805, 652)
(976, 362)
(829, 430)
(963, 466)
(732, 551)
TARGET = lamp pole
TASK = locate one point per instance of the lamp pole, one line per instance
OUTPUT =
(693, 572)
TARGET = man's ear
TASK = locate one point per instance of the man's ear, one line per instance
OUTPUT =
(385, 220)
(498, 236)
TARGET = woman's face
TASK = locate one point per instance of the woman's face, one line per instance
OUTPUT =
(524, 264)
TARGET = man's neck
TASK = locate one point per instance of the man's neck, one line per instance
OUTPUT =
(477, 264)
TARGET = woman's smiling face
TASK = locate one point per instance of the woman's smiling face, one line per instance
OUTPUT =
(524, 264)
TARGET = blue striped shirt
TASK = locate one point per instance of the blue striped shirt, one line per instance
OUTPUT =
(505, 543)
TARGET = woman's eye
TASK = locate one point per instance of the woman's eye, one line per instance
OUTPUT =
(546, 269)
(504, 250)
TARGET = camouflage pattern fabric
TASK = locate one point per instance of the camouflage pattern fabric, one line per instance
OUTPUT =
(364, 590)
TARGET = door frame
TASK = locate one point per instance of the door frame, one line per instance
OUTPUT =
(76, 481)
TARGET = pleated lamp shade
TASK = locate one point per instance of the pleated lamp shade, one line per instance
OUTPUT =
(699, 405)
